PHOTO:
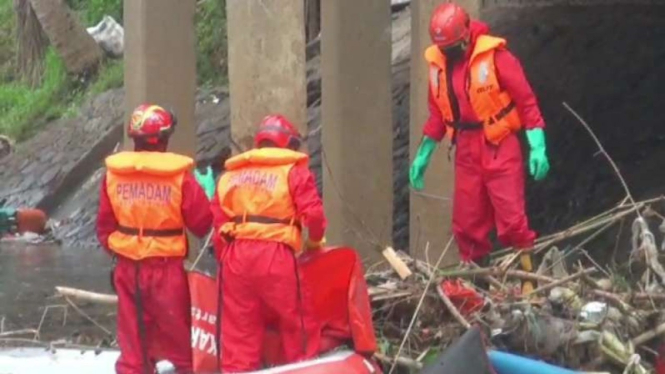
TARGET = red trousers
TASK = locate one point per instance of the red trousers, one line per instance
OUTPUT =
(489, 191)
(258, 279)
(154, 315)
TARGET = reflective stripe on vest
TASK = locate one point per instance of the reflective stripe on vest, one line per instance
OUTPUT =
(145, 191)
(255, 193)
(493, 106)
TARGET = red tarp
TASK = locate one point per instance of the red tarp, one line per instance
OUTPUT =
(203, 290)
(336, 283)
(464, 297)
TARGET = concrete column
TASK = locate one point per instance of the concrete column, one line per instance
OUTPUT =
(430, 216)
(357, 122)
(266, 41)
(160, 63)
(160, 67)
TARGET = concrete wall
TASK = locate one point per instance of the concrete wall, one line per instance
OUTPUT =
(357, 123)
(266, 64)
(604, 62)
(160, 63)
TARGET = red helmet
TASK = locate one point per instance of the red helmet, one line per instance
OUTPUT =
(279, 131)
(151, 123)
(449, 25)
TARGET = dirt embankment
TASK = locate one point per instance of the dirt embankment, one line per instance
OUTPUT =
(48, 165)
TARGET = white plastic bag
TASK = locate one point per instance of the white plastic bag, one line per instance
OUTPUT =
(110, 36)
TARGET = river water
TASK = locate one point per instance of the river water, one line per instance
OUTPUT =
(28, 275)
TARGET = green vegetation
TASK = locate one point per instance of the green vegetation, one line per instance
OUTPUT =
(24, 109)
(111, 76)
(7, 43)
(90, 12)
(21, 106)
(211, 42)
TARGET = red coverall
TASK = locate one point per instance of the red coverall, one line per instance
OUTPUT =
(260, 274)
(164, 291)
(489, 180)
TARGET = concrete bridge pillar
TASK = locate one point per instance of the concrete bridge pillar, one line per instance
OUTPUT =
(160, 67)
(357, 122)
(430, 211)
(160, 63)
(266, 44)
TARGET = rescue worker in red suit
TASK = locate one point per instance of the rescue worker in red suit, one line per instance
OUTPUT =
(148, 198)
(480, 97)
(262, 203)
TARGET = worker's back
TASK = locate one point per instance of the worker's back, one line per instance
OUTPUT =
(255, 194)
(145, 191)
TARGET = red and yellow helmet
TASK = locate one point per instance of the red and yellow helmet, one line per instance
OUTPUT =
(278, 130)
(151, 123)
(449, 25)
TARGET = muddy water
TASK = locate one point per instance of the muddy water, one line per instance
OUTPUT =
(28, 275)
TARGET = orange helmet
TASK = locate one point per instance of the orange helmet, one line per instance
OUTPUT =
(151, 123)
(449, 25)
(279, 131)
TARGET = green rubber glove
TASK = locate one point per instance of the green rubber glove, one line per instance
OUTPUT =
(420, 163)
(207, 181)
(538, 163)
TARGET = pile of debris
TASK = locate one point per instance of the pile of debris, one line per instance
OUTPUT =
(581, 315)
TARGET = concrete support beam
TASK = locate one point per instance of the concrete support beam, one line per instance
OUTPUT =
(357, 122)
(160, 67)
(160, 63)
(266, 40)
(430, 217)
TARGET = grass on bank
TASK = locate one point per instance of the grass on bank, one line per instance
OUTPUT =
(24, 110)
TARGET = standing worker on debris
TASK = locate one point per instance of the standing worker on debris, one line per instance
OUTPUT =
(480, 97)
(261, 204)
(148, 198)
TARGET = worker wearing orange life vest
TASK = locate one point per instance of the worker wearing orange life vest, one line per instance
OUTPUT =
(148, 198)
(479, 96)
(262, 203)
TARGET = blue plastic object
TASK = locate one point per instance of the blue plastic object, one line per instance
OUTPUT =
(506, 363)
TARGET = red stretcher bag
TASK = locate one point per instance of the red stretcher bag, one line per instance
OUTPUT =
(338, 293)
(203, 291)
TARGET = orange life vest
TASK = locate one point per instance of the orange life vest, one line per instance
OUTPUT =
(493, 106)
(145, 190)
(254, 193)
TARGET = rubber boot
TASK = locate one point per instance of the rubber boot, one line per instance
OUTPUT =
(526, 261)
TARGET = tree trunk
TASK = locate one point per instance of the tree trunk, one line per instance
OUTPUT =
(312, 19)
(75, 46)
(32, 43)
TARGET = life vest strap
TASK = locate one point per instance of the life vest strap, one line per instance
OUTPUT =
(150, 232)
(502, 113)
(464, 126)
(265, 220)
